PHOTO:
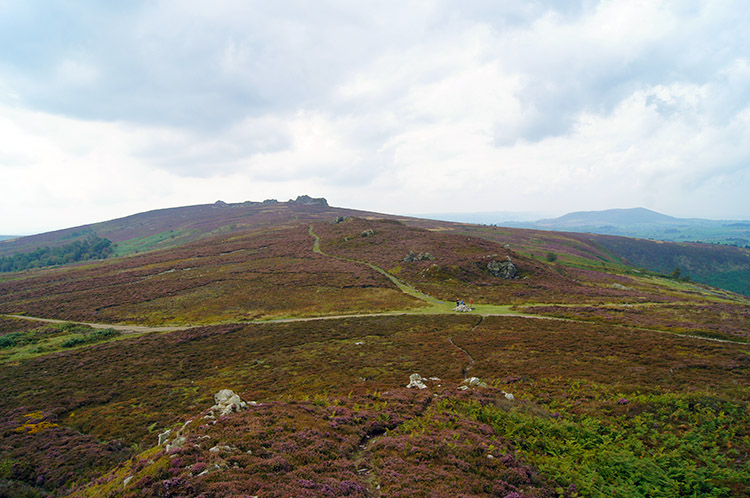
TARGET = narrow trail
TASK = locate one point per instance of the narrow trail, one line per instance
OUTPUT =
(403, 286)
(125, 329)
(465, 369)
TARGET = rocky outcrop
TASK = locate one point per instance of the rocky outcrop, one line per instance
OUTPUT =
(270, 201)
(367, 233)
(462, 308)
(422, 256)
(415, 380)
(474, 382)
(503, 269)
(341, 219)
(306, 200)
(227, 402)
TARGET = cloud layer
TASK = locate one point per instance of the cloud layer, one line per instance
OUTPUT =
(402, 107)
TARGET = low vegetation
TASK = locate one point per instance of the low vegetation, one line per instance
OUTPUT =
(597, 379)
(92, 247)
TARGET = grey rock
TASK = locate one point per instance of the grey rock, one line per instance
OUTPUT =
(177, 443)
(367, 233)
(415, 380)
(422, 256)
(474, 382)
(306, 200)
(164, 436)
(503, 269)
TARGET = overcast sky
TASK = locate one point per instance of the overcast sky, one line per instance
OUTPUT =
(112, 108)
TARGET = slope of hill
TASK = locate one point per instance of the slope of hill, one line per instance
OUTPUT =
(575, 375)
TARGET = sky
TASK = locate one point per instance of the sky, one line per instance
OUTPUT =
(112, 108)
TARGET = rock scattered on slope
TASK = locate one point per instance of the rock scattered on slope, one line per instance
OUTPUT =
(227, 402)
(474, 382)
(503, 269)
(422, 256)
(368, 233)
(415, 380)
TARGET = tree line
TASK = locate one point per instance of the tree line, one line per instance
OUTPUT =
(93, 247)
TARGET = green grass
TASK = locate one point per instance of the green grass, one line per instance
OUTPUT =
(666, 445)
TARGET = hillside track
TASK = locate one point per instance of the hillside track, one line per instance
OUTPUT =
(143, 329)
(125, 329)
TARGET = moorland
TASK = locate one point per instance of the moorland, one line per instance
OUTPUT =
(582, 375)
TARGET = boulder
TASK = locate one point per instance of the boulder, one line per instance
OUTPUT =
(415, 380)
(474, 382)
(503, 269)
(162, 438)
(341, 219)
(367, 233)
(462, 308)
(422, 256)
(227, 402)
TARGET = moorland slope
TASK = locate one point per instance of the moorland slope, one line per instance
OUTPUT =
(579, 376)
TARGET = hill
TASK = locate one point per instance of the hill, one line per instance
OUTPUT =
(636, 222)
(576, 373)
(633, 216)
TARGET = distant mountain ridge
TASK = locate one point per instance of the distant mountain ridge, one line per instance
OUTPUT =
(644, 223)
(631, 216)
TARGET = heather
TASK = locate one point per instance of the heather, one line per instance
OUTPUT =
(334, 418)
(593, 378)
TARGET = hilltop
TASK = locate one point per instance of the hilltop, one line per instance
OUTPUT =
(576, 374)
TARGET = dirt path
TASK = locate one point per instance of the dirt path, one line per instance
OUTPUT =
(125, 329)
(403, 286)
(465, 370)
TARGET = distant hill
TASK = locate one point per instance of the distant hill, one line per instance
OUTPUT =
(633, 216)
(647, 224)
(7, 237)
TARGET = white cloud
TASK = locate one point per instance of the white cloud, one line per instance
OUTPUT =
(421, 106)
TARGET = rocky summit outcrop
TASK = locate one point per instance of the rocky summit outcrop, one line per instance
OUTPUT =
(306, 200)
(422, 256)
(503, 269)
